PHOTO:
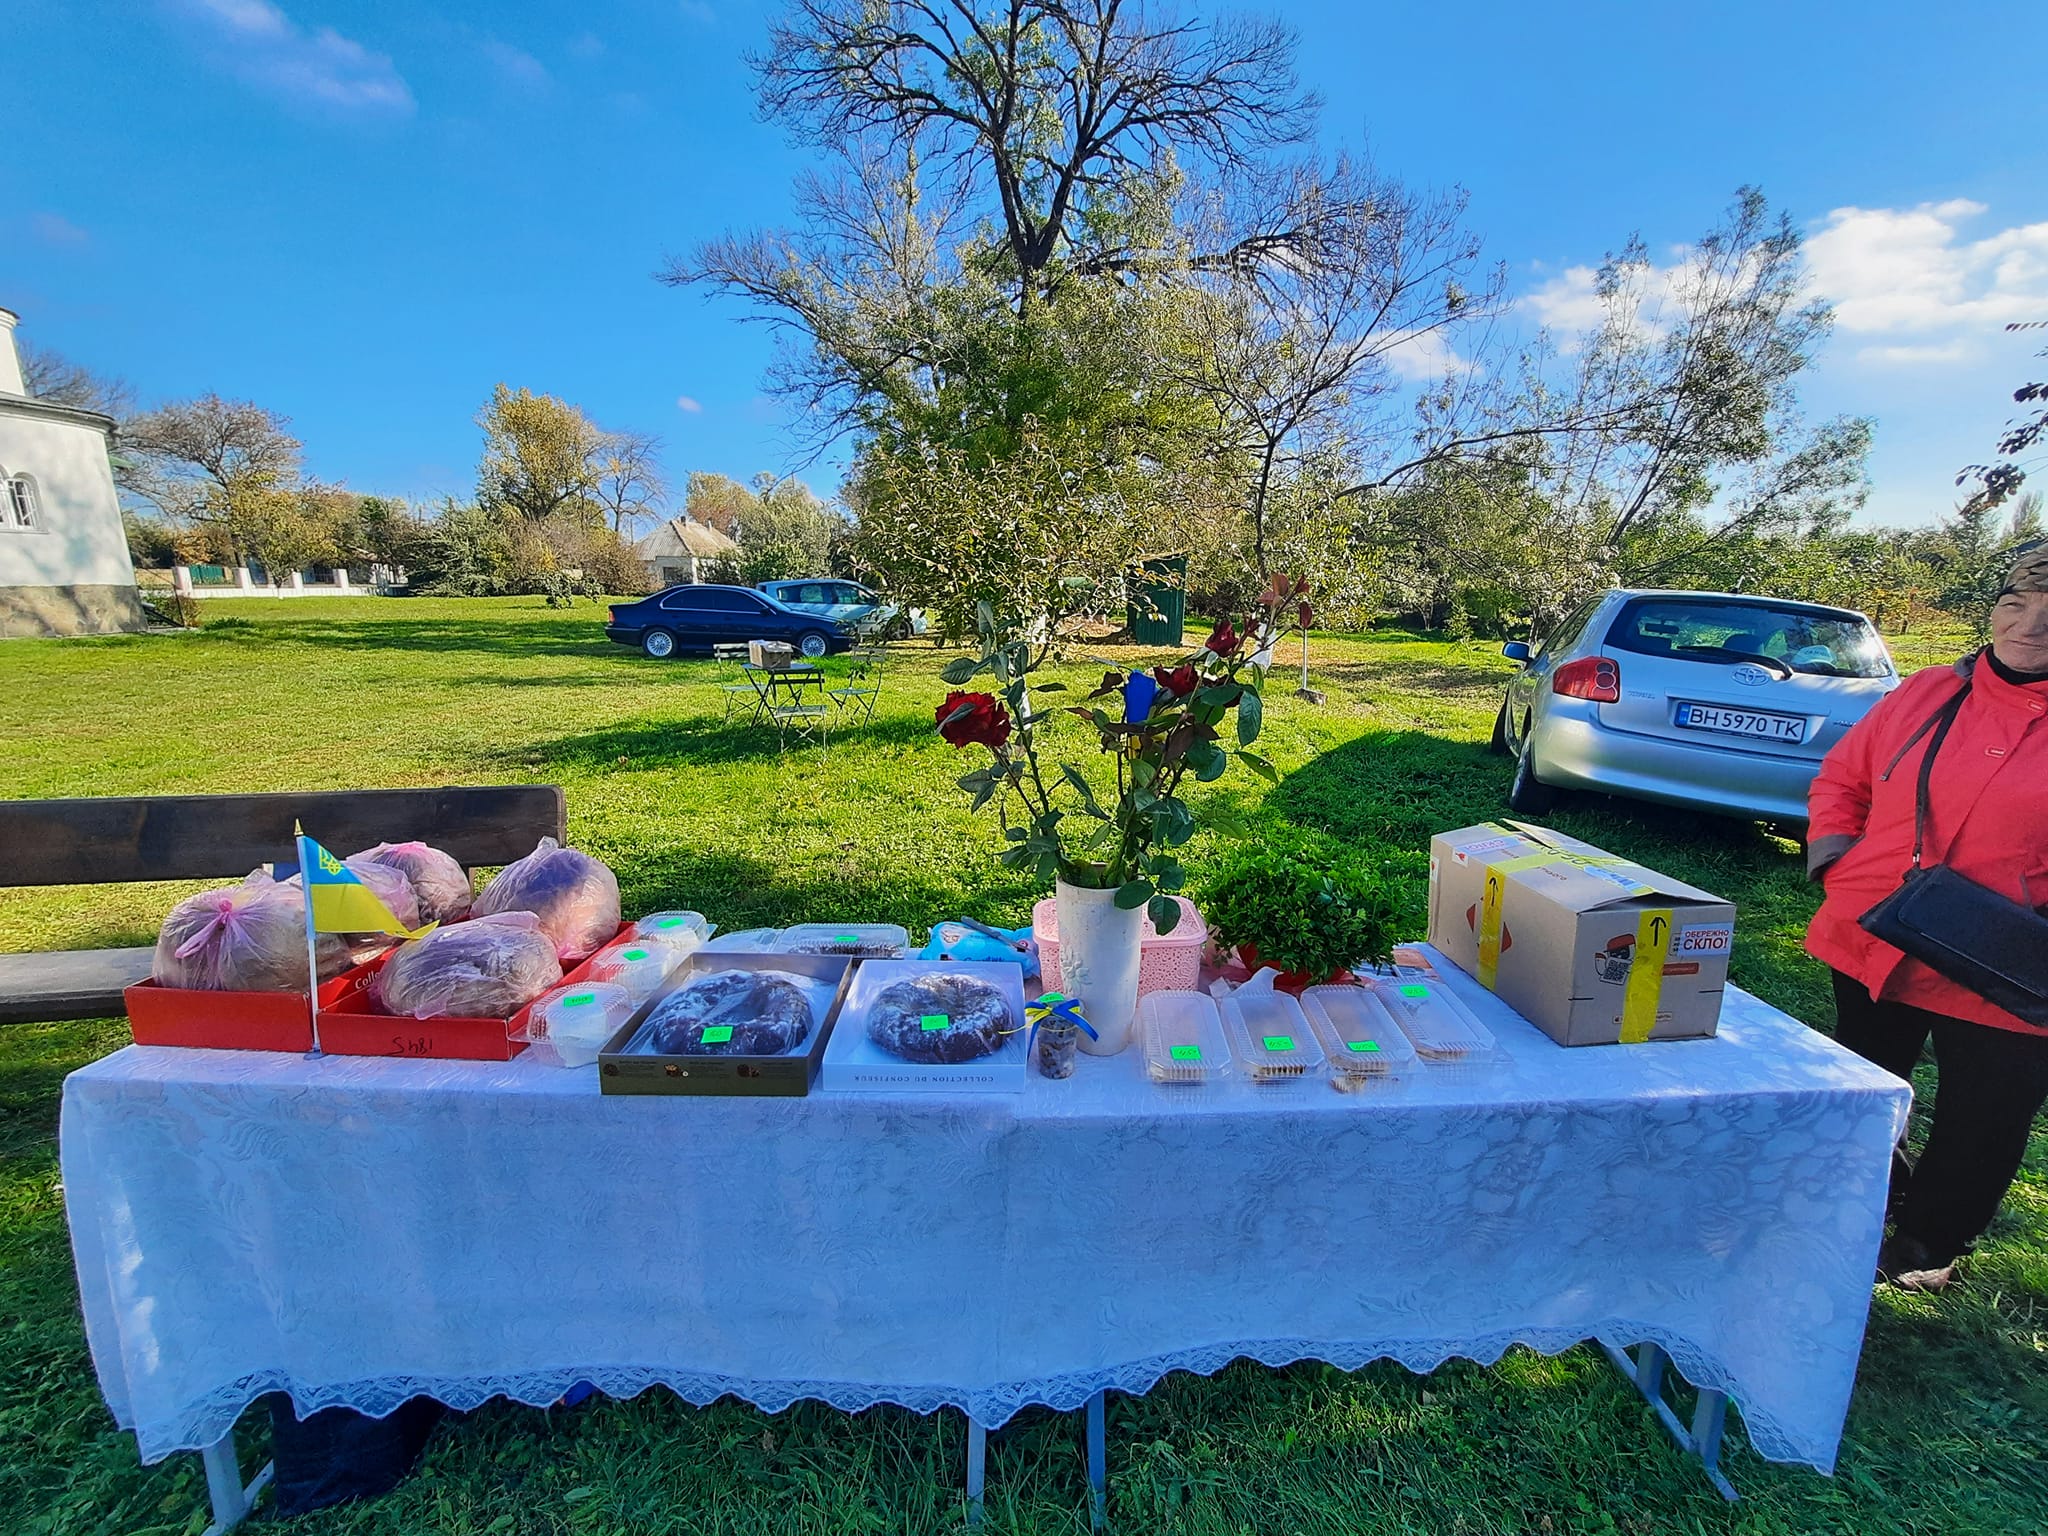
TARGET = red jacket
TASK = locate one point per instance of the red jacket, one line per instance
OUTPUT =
(1987, 818)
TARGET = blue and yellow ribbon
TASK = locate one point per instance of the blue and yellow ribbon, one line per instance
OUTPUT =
(1056, 1008)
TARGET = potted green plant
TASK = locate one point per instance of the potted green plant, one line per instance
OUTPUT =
(1112, 858)
(1312, 915)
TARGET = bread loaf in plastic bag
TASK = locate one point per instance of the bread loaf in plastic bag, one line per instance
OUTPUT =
(487, 968)
(575, 897)
(249, 937)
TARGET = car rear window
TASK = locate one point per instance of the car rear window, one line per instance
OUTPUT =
(814, 592)
(1729, 633)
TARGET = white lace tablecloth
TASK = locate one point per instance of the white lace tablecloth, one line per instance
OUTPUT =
(357, 1231)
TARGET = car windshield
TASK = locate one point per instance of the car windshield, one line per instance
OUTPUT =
(1786, 640)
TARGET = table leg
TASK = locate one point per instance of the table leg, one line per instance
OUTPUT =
(977, 1467)
(1645, 1372)
(231, 1501)
(1098, 1463)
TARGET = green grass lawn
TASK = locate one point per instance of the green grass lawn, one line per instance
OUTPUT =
(1948, 1433)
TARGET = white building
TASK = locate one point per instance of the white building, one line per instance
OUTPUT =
(64, 566)
(680, 548)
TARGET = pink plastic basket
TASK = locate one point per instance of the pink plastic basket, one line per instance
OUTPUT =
(1166, 962)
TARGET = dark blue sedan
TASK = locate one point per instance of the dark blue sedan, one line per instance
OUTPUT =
(698, 616)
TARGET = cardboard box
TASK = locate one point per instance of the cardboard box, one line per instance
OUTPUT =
(234, 1021)
(1590, 948)
(855, 1064)
(790, 1075)
(772, 654)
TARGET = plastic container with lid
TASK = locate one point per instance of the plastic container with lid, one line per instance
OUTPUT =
(685, 932)
(1183, 1036)
(1270, 1036)
(747, 941)
(640, 967)
(1444, 1033)
(570, 1025)
(1365, 1047)
(860, 941)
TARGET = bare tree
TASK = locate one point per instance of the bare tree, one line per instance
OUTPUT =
(51, 376)
(630, 486)
(1041, 105)
(196, 459)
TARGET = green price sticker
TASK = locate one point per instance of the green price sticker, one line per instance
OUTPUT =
(1054, 997)
(632, 954)
(579, 1000)
(1363, 1045)
(669, 922)
(1414, 989)
(1279, 1042)
(936, 1021)
(1185, 1052)
(718, 1034)
(847, 938)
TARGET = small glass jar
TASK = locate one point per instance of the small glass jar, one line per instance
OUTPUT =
(1055, 1046)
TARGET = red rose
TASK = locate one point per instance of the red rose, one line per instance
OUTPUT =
(1305, 614)
(1179, 681)
(1223, 640)
(985, 720)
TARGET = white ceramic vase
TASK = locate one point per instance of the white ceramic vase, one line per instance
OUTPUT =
(1099, 963)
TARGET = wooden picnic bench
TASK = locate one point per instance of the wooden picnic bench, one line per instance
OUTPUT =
(223, 837)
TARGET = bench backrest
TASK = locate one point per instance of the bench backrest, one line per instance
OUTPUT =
(204, 837)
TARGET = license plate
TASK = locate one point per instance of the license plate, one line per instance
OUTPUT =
(1742, 722)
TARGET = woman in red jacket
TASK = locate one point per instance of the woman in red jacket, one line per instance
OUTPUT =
(1988, 820)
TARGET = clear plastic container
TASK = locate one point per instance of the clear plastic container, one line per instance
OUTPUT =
(1183, 1037)
(641, 968)
(861, 941)
(1364, 1045)
(748, 941)
(1270, 1036)
(570, 1025)
(1442, 1029)
(685, 932)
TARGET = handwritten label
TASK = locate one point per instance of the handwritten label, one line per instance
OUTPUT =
(632, 954)
(1363, 1045)
(579, 1000)
(1279, 1042)
(1185, 1052)
(935, 1021)
(1415, 989)
(718, 1034)
(847, 938)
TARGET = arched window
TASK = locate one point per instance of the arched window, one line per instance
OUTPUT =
(22, 513)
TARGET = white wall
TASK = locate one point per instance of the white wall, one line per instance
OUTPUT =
(81, 542)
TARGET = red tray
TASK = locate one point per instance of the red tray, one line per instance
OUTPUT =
(236, 1021)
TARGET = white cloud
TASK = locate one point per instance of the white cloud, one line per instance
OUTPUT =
(258, 42)
(55, 229)
(1567, 303)
(1427, 357)
(690, 407)
(1910, 273)
(586, 45)
(517, 65)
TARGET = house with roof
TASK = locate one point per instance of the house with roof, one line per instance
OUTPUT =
(680, 550)
(64, 566)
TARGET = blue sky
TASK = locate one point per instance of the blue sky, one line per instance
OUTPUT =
(364, 213)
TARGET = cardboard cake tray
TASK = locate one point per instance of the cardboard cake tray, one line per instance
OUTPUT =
(789, 1075)
(352, 1027)
(855, 1064)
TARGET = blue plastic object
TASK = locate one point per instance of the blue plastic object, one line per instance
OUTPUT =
(966, 939)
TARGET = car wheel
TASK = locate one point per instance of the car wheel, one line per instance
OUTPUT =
(1529, 794)
(659, 644)
(813, 643)
(1499, 744)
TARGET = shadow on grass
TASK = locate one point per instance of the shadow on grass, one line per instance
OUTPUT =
(440, 636)
(699, 739)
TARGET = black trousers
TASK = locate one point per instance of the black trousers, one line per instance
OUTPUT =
(1992, 1083)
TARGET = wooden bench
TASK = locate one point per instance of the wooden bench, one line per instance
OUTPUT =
(223, 837)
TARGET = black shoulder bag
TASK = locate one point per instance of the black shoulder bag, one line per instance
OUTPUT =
(1984, 942)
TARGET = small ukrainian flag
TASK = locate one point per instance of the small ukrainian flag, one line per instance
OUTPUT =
(338, 902)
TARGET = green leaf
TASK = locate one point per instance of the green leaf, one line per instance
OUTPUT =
(1260, 766)
(982, 796)
(1172, 822)
(973, 781)
(1218, 695)
(1133, 893)
(1164, 912)
(1208, 761)
(1088, 800)
(961, 671)
(1015, 834)
(1251, 714)
(1050, 687)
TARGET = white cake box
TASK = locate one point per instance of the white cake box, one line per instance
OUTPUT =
(855, 1064)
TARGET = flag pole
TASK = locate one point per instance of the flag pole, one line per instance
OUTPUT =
(312, 939)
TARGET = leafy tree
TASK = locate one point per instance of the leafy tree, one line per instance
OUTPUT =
(1998, 481)
(717, 501)
(542, 458)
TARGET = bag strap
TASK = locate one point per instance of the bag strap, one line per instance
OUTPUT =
(1940, 721)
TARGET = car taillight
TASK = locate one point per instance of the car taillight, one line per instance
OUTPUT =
(1596, 678)
(614, 614)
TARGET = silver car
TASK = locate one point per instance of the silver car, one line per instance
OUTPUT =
(1707, 700)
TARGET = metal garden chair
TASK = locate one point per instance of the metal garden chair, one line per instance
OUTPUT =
(863, 683)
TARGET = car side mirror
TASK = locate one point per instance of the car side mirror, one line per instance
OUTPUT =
(1516, 651)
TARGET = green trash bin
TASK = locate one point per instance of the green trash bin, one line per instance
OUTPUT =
(1161, 617)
